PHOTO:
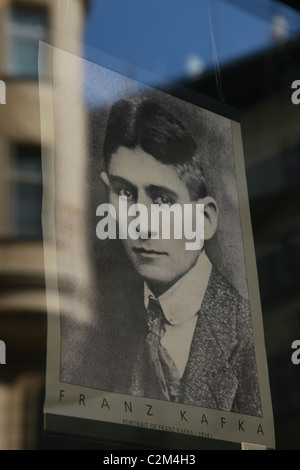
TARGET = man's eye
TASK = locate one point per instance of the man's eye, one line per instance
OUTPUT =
(125, 193)
(163, 200)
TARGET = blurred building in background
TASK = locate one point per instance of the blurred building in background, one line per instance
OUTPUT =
(22, 280)
(257, 81)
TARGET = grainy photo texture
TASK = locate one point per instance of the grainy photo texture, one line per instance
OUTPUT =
(166, 322)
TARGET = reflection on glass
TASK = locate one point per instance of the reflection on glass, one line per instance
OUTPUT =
(27, 26)
(26, 191)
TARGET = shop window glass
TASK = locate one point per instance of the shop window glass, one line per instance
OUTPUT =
(26, 192)
(27, 26)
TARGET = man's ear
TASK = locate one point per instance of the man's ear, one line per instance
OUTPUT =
(210, 216)
(105, 179)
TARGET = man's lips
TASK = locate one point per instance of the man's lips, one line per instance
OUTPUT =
(145, 252)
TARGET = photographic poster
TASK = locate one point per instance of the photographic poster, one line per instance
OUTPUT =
(154, 316)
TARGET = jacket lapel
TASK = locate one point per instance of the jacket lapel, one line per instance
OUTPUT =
(208, 380)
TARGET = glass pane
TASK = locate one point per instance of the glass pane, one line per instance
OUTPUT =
(28, 200)
(26, 16)
(27, 158)
(27, 197)
(28, 26)
(24, 57)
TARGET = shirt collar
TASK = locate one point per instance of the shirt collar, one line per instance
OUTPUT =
(183, 300)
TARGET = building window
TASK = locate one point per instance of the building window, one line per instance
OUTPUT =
(27, 25)
(26, 191)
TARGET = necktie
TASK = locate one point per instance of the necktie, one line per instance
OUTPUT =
(164, 370)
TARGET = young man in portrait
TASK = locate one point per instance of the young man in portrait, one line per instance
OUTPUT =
(189, 339)
(168, 324)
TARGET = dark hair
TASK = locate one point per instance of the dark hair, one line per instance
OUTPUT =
(147, 125)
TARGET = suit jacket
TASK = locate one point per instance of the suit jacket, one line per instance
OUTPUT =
(221, 369)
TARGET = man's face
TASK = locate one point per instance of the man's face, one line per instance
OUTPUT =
(144, 180)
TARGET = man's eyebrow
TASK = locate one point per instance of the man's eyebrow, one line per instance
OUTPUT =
(119, 180)
(162, 189)
(150, 189)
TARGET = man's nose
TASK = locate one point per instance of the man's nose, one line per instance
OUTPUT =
(146, 228)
